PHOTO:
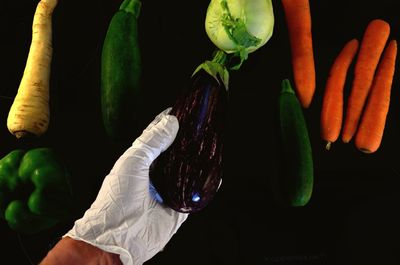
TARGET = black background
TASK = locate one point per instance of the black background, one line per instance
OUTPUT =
(352, 217)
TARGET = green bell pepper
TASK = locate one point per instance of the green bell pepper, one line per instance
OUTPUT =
(34, 190)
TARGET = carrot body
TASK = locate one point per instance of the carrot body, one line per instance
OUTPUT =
(29, 113)
(371, 48)
(370, 132)
(298, 20)
(332, 104)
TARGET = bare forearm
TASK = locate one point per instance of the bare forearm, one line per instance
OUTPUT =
(69, 251)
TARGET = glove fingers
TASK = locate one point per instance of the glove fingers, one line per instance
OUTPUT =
(158, 137)
(158, 118)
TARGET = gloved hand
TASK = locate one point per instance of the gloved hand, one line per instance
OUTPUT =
(125, 218)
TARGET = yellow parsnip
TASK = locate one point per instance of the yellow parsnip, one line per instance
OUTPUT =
(30, 111)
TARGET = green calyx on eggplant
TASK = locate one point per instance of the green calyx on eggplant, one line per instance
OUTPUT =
(188, 174)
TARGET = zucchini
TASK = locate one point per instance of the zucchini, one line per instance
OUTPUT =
(297, 165)
(121, 71)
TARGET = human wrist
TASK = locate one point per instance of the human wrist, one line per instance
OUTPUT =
(70, 251)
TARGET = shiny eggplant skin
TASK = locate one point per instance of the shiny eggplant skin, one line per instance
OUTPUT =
(188, 174)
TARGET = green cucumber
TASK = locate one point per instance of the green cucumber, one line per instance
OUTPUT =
(297, 164)
(121, 71)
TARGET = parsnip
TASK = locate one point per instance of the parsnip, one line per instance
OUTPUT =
(30, 111)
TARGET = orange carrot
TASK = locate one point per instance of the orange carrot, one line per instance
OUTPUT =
(298, 20)
(332, 104)
(371, 48)
(370, 132)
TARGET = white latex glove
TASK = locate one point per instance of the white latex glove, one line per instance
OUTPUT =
(125, 218)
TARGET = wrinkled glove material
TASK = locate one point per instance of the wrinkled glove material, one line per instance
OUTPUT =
(125, 218)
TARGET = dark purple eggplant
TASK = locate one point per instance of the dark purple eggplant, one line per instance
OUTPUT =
(188, 174)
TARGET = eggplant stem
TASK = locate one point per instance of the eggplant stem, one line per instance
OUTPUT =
(220, 57)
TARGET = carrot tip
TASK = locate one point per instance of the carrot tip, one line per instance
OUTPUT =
(328, 145)
(346, 141)
(365, 150)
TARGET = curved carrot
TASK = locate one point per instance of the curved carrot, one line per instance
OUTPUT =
(370, 132)
(332, 104)
(371, 48)
(298, 20)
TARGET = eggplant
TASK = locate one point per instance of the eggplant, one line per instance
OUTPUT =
(188, 174)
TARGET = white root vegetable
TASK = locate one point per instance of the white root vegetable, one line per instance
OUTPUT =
(30, 111)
